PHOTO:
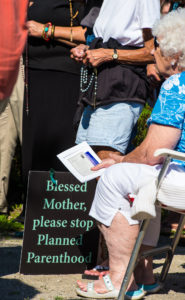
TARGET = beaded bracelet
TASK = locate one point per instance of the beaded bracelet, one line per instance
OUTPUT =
(52, 32)
(45, 33)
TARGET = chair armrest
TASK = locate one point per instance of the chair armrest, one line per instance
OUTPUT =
(171, 153)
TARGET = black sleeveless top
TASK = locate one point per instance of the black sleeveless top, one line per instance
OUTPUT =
(53, 55)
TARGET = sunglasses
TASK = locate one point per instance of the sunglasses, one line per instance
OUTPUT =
(156, 43)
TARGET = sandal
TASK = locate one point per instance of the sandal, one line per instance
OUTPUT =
(95, 272)
(151, 288)
(91, 293)
(135, 295)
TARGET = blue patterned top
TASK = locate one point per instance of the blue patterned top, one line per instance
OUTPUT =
(170, 107)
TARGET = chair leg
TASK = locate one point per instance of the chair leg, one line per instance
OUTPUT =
(133, 259)
(170, 253)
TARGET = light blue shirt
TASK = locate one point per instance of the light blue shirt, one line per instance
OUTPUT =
(170, 107)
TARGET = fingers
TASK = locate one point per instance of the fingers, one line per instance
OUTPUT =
(104, 164)
(153, 75)
(90, 59)
(98, 167)
(78, 53)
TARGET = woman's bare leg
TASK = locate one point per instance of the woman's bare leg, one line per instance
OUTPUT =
(102, 257)
(120, 238)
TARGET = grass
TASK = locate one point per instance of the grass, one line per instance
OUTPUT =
(8, 224)
(173, 231)
(142, 126)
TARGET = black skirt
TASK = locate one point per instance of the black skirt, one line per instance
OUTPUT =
(48, 129)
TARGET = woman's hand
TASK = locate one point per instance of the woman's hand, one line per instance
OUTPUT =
(35, 29)
(114, 159)
(78, 53)
(153, 75)
(96, 57)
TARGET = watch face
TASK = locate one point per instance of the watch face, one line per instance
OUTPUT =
(115, 55)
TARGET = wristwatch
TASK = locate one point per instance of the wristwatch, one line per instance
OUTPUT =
(115, 55)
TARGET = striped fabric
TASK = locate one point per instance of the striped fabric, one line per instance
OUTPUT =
(172, 196)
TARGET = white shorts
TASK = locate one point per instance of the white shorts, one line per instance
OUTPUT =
(122, 179)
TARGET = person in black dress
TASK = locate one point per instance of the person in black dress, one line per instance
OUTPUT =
(53, 81)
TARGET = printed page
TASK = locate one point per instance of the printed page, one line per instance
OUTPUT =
(79, 160)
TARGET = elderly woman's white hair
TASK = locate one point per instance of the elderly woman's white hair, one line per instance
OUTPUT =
(171, 31)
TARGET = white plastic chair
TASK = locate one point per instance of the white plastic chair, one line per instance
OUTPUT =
(178, 206)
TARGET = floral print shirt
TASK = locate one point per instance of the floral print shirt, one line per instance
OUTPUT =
(170, 107)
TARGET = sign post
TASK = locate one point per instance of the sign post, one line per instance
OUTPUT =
(59, 236)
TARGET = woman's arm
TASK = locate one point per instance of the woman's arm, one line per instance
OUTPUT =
(158, 136)
(62, 34)
(96, 57)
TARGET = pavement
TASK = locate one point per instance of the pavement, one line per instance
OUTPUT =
(16, 286)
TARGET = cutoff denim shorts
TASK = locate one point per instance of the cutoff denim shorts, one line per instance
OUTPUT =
(109, 125)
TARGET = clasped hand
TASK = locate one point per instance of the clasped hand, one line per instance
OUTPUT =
(93, 57)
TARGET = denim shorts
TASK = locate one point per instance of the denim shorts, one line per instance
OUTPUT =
(109, 125)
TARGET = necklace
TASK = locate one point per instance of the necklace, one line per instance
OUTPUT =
(72, 17)
(85, 84)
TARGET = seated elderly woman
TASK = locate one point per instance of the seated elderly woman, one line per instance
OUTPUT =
(111, 207)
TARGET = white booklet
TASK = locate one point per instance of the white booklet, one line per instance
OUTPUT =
(79, 160)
